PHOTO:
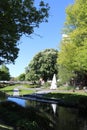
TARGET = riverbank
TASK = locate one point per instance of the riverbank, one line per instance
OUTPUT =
(76, 99)
(68, 98)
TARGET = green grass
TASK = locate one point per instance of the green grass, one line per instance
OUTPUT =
(66, 88)
(22, 90)
(69, 98)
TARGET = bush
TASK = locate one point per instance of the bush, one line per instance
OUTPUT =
(46, 85)
(27, 125)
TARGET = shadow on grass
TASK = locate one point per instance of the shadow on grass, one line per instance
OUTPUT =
(71, 100)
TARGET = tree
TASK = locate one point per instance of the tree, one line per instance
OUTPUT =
(18, 17)
(66, 61)
(43, 65)
(78, 35)
(21, 77)
(74, 60)
(4, 73)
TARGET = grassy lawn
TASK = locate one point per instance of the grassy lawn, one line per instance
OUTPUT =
(70, 98)
(23, 89)
(66, 95)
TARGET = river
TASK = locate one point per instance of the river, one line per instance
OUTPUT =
(63, 118)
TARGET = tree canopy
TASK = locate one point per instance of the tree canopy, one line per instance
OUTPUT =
(21, 77)
(4, 73)
(43, 65)
(18, 17)
(73, 53)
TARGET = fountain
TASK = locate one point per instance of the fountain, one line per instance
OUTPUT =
(54, 83)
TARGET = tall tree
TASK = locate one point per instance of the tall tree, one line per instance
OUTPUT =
(43, 65)
(66, 61)
(18, 17)
(76, 30)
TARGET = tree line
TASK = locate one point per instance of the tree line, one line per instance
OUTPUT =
(69, 63)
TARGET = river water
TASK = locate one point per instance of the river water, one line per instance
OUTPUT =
(63, 118)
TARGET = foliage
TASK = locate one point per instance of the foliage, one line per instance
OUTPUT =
(27, 125)
(21, 77)
(43, 65)
(73, 54)
(71, 99)
(66, 88)
(18, 17)
(4, 73)
(66, 61)
(31, 76)
(24, 118)
(46, 85)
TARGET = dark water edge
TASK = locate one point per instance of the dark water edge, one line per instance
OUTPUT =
(35, 115)
(62, 118)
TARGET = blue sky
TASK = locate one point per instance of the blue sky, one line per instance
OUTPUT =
(50, 37)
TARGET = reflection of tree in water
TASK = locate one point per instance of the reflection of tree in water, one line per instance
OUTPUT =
(46, 110)
(40, 116)
(22, 118)
(3, 96)
(69, 119)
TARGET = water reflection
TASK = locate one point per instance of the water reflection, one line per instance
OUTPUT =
(62, 118)
(54, 106)
(2, 96)
(18, 101)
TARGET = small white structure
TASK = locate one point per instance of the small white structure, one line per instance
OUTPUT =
(77, 88)
(54, 83)
(85, 89)
(16, 92)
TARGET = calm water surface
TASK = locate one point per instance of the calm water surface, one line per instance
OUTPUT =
(62, 118)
